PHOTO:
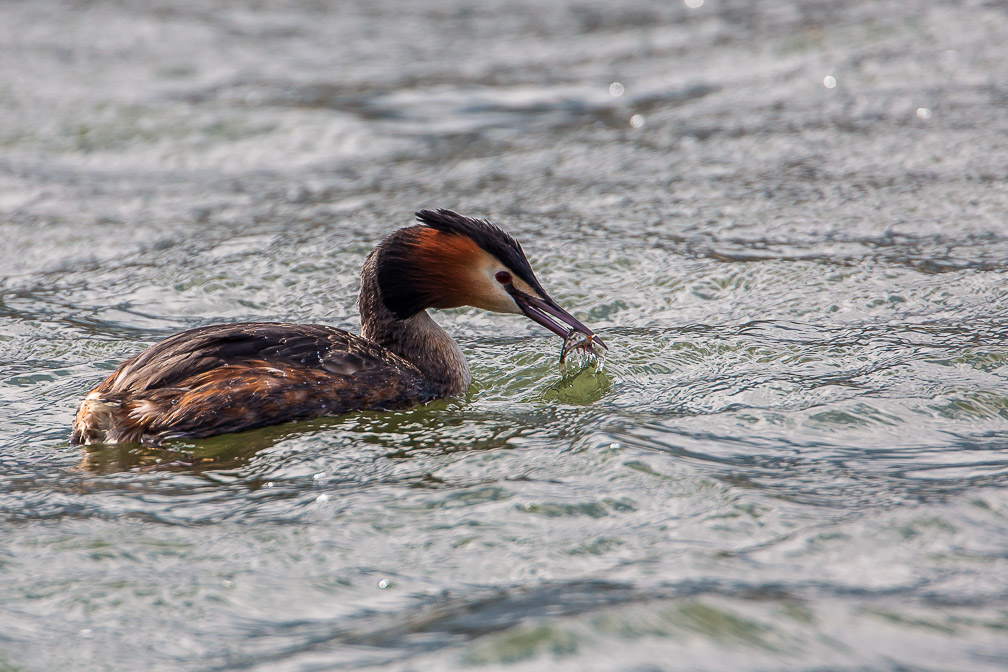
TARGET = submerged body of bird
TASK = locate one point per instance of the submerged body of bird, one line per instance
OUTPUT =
(229, 378)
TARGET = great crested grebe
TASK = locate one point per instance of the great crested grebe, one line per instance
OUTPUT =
(233, 377)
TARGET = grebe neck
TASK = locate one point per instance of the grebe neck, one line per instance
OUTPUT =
(417, 339)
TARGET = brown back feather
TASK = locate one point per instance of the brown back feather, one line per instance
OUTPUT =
(227, 378)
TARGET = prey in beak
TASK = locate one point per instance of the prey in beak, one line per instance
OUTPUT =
(549, 314)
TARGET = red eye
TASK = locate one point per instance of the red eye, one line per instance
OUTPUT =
(503, 277)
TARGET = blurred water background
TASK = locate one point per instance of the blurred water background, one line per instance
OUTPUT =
(786, 219)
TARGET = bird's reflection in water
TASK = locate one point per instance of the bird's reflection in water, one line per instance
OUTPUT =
(440, 426)
(227, 451)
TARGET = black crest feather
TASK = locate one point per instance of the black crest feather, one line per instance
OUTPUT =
(404, 290)
(489, 236)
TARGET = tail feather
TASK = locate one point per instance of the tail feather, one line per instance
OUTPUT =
(98, 420)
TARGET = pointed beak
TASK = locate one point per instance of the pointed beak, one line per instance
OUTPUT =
(550, 315)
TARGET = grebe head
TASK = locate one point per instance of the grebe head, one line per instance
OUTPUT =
(450, 260)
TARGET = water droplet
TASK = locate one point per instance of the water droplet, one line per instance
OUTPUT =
(319, 476)
(383, 584)
(616, 89)
(923, 113)
(269, 484)
(637, 120)
(85, 633)
(829, 81)
(322, 499)
(614, 445)
(693, 4)
(228, 584)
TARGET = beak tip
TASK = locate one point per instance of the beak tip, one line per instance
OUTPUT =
(594, 340)
(546, 312)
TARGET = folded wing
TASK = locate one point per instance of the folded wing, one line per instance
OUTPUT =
(228, 378)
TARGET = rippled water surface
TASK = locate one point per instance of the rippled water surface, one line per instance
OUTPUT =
(789, 227)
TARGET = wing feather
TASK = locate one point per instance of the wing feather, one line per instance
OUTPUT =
(228, 378)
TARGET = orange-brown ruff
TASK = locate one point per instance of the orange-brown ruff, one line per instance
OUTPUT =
(228, 378)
